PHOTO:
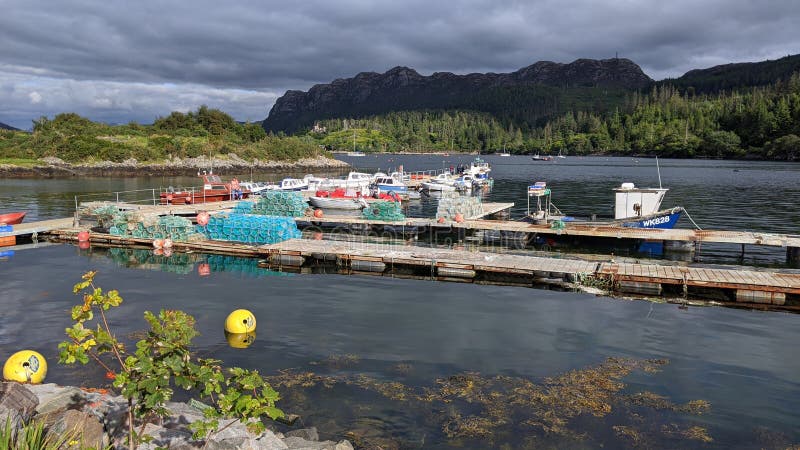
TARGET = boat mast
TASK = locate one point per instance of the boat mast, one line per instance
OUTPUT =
(658, 168)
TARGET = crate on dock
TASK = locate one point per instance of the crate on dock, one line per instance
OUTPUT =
(280, 203)
(451, 204)
(150, 226)
(387, 211)
(250, 228)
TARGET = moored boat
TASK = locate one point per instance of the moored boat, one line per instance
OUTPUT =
(633, 207)
(12, 218)
(390, 184)
(213, 190)
(348, 203)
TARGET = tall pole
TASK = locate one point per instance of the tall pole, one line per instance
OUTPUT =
(658, 168)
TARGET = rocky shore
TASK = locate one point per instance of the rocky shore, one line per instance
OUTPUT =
(55, 167)
(99, 419)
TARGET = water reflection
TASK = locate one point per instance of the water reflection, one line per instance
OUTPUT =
(185, 263)
(479, 366)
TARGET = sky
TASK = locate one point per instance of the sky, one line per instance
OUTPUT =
(117, 62)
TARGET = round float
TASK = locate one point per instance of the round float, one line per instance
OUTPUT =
(26, 366)
(240, 321)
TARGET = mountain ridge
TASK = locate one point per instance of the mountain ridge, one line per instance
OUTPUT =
(403, 88)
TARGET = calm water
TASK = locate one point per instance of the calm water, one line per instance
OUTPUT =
(361, 333)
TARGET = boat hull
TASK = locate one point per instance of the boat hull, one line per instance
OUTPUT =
(663, 219)
(437, 187)
(335, 203)
(187, 198)
(391, 188)
(13, 218)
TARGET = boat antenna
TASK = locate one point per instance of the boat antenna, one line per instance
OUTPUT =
(658, 168)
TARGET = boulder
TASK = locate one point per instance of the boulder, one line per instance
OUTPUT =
(54, 399)
(163, 437)
(309, 434)
(298, 443)
(78, 426)
(17, 403)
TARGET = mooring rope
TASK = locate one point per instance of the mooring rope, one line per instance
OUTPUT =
(692, 220)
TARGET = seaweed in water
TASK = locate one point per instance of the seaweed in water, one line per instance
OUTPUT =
(469, 406)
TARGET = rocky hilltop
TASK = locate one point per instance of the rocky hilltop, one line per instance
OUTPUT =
(6, 127)
(402, 88)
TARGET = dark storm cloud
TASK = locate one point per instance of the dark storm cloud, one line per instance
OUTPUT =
(120, 61)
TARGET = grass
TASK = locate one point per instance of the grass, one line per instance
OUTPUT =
(32, 436)
(21, 162)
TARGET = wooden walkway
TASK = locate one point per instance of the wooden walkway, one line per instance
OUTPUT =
(42, 226)
(474, 224)
(766, 281)
(731, 284)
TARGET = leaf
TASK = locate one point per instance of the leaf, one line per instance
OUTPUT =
(81, 286)
(274, 413)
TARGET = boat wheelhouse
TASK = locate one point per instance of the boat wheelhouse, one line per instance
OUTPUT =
(213, 190)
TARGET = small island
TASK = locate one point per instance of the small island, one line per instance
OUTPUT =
(179, 144)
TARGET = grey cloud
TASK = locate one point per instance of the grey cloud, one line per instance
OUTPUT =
(264, 48)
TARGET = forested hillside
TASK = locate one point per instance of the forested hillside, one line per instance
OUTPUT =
(762, 122)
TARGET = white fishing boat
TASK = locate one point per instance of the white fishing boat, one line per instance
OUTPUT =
(633, 208)
(290, 184)
(255, 187)
(479, 169)
(390, 184)
(443, 182)
(347, 203)
(359, 181)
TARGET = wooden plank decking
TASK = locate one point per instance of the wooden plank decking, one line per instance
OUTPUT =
(727, 278)
(462, 265)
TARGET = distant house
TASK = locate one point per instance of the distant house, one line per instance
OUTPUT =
(318, 129)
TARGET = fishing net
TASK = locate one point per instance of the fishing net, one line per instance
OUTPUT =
(279, 203)
(386, 211)
(250, 228)
(451, 204)
(149, 226)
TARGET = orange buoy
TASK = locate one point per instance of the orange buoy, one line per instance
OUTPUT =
(459, 218)
(202, 218)
(440, 220)
(167, 243)
(158, 243)
(158, 251)
(83, 236)
(318, 213)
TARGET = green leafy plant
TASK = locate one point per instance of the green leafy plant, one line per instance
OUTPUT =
(161, 361)
(31, 436)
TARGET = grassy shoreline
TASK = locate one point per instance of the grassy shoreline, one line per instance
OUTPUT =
(54, 168)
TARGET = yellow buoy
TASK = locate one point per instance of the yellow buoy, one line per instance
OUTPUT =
(240, 340)
(240, 321)
(26, 366)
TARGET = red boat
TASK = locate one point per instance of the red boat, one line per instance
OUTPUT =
(12, 218)
(213, 190)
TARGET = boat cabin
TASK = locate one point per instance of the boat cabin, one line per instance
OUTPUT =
(630, 201)
(388, 183)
